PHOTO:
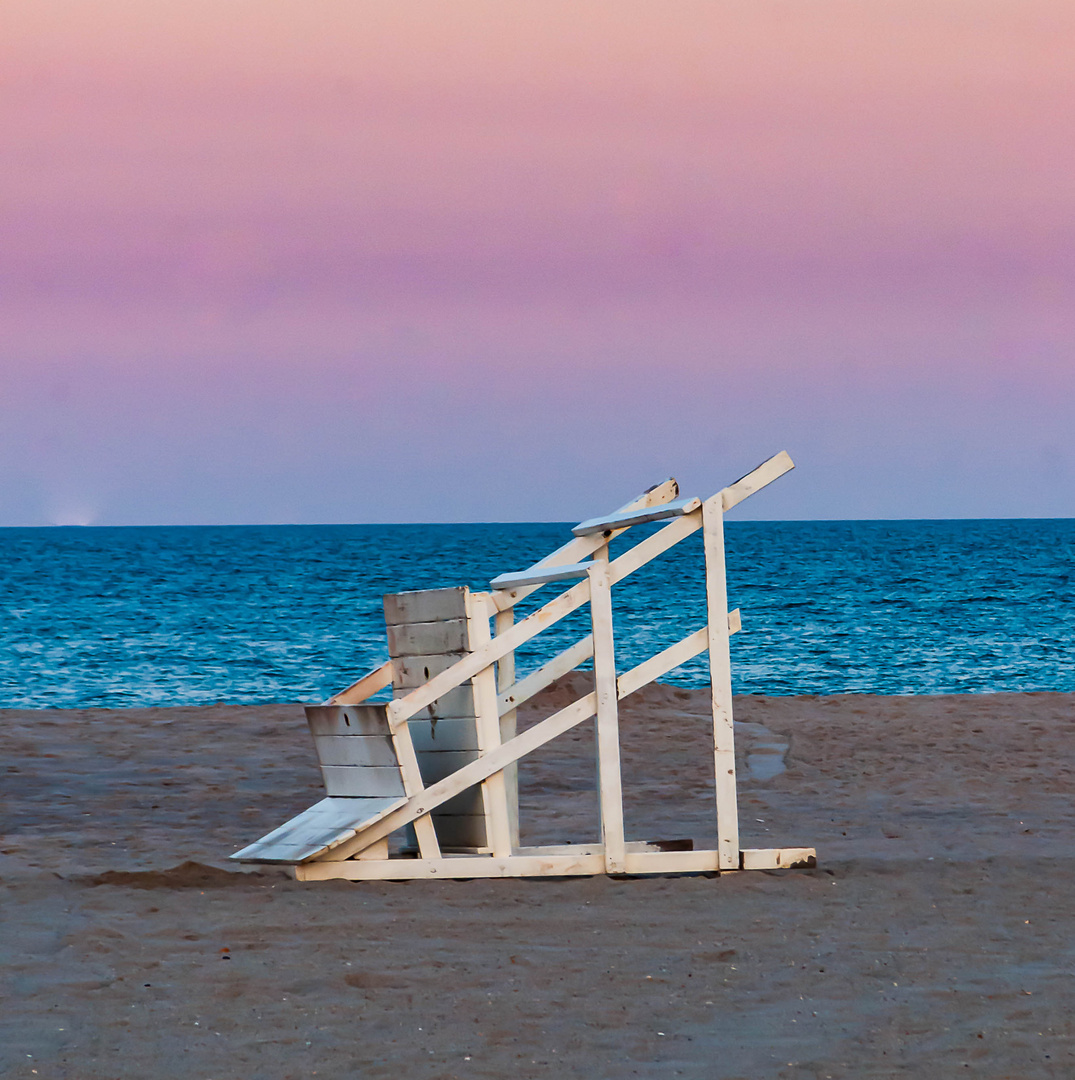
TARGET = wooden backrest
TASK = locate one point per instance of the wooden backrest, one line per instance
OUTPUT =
(355, 751)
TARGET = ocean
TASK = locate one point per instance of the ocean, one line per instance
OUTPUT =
(121, 617)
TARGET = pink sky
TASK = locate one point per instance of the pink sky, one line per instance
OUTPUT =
(305, 261)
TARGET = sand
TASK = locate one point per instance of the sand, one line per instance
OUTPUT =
(935, 939)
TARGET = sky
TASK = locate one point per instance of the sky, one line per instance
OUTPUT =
(336, 261)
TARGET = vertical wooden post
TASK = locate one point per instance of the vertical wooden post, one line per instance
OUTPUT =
(505, 677)
(720, 676)
(608, 733)
(426, 834)
(487, 720)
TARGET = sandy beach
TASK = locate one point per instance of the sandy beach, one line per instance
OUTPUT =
(936, 937)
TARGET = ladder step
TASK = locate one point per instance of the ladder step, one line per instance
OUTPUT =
(636, 517)
(539, 575)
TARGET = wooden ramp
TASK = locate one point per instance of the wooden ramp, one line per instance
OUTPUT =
(435, 766)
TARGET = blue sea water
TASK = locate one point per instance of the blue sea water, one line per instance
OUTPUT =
(179, 616)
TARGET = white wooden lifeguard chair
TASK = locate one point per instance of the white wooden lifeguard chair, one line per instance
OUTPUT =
(436, 765)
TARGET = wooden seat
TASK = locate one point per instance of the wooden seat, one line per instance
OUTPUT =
(362, 779)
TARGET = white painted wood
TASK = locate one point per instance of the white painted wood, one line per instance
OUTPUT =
(457, 866)
(424, 638)
(755, 480)
(356, 750)
(425, 605)
(777, 858)
(362, 781)
(365, 687)
(424, 831)
(671, 862)
(720, 676)
(518, 693)
(540, 575)
(450, 734)
(456, 832)
(438, 764)
(579, 547)
(487, 722)
(505, 678)
(608, 733)
(627, 518)
(375, 851)
(317, 830)
(347, 719)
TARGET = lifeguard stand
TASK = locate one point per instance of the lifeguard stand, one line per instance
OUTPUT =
(437, 763)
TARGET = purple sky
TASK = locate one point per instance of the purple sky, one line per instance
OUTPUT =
(310, 261)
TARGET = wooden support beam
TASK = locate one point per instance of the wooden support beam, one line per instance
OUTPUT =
(365, 687)
(755, 480)
(608, 733)
(487, 719)
(720, 677)
(624, 519)
(517, 693)
(505, 679)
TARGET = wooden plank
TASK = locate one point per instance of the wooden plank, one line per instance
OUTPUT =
(425, 605)
(355, 750)
(505, 678)
(487, 724)
(755, 480)
(403, 708)
(671, 862)
(580, 547)
(424, 831)
(720, 678)
(778, 858)
(347, 719)
(608, 734)
(365, 687)
(362, 781)
(540, 575)
(458, 866)
(450, 734)
(459, 831)
(624, 519)
(316, 830)
(517, 693)
(424, 638)
(438, 764)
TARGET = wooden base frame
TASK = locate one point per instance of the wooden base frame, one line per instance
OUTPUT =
(446, 633)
